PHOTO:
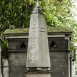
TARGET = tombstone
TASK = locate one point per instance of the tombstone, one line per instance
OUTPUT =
(73, 69)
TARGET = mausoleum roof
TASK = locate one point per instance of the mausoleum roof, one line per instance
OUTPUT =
(49, 29)
(18, 30)
(59, 29)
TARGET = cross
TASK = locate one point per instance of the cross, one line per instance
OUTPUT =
(37, 3)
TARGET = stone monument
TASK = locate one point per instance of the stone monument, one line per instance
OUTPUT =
(38, 57)
(37, 51)
(38, 42)
(73, 62)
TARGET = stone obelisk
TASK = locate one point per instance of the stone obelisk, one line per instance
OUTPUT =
(38, 58)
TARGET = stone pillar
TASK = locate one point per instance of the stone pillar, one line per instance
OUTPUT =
(38, 58)
(73, 62)
(5, 68)
(0, 58)
(73, 69)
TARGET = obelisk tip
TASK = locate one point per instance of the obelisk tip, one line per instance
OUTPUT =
(37, 2)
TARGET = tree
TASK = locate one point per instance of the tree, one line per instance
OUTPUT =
(57, 12)
(17, 13)
(14, 12)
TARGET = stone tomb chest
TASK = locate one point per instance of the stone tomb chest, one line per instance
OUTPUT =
(58, 39)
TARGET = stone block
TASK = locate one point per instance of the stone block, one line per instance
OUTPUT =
(17, 59)
(73, 69)
(38, 75)
(59, 64)
(18, 45)
(17, 64)
(58, 43)
(5, 68)
(17, 71)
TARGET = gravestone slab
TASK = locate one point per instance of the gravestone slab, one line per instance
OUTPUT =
(17, 48)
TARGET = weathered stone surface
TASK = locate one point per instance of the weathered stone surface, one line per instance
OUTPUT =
(58, 42)
(38, 75)
(17, 64)
(5, 68)
(73, 69)
(60, 65)
(38, 50)
(18, 45)
(52, 30)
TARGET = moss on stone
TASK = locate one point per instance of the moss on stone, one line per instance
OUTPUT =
(59, 29)
(18, 30)
(49, 29)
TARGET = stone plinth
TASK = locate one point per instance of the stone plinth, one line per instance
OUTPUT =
(38, 75)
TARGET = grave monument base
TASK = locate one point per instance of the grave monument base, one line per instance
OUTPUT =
(38, 75)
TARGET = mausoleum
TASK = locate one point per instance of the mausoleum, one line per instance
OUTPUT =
(59, 48)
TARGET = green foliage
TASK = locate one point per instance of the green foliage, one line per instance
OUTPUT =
(71, 48)
(57, 12)
(17, 13)
(59, 29)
